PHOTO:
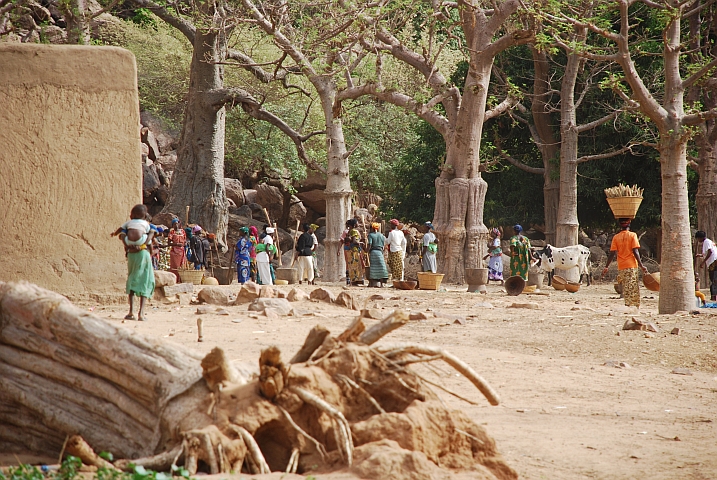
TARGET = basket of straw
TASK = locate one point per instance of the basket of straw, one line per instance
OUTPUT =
(624, 200)
(191, 276)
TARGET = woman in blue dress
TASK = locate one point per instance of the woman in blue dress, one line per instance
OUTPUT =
(241, 256)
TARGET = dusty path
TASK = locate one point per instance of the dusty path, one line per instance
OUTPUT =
(564, 413)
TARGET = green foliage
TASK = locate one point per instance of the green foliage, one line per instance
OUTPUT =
(163, 56)
(70, 467)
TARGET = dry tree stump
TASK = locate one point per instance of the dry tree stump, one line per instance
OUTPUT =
(340, 404)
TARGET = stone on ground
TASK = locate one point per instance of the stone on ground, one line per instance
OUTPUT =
(280, 305)
(213, 296)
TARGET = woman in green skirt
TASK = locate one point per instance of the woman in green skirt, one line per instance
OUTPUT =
(378, 273)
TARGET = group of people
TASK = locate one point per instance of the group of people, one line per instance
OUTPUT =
(369, 252)
(520, 255)
(254, 253)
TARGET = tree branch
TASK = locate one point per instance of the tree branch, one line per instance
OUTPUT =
(596, 123)
(689, 81)
(187, 28)
(515, 162)
(508, 103)
(697, 118)
(600, 156)
(438, 121)
(235, 96)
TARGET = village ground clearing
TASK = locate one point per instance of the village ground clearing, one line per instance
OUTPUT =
(568, 411)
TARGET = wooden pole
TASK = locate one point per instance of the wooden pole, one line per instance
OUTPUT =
(296, 235)
(366, 256)
(278, 243)
(186, 217)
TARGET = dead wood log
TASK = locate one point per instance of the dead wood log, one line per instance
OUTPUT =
(65, 371)
(78, 447)
(353, 332)
(159, 463)
(395, 320)
(314, 339)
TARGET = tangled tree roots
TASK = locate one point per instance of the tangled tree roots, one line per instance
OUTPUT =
(341, 404)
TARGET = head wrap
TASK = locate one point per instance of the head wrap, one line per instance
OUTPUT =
(175, 220)
(314, 227)
(253, 230)
(244, 230)
(376, 226)
(153, 227)
(495, 232)
(196, 229)
(429, 225)
(625, 220)
(269, 230)
(517, 228)
(393, 221)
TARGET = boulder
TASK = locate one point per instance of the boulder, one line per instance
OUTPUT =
(213, 296)
(249, 196)
(234, 191)
(149, 140)
(241, 211)
(321, 221)
(249, 292)
(257, 212)
(163, 278)
(297, 295)
(597, 254)
(267, 291)
(168, 160)
(280, 305)
(150, 182)
(166, 138)
(314, 199)
(321, 234)
(345, 299)
(296, 212)
(322, 295)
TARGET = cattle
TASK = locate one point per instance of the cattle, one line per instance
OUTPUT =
(550, 258)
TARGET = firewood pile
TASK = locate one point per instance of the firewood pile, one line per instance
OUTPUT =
(71, 381)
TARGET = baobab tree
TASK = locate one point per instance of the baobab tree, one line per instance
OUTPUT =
(664, 105)
(198, 180)
(460, 190)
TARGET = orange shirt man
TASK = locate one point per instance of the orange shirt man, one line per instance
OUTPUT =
(626, 248)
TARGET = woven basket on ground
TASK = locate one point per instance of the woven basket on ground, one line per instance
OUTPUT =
(191, 276)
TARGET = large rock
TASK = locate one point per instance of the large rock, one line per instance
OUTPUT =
(150, 182)
(165, 137)
(249, 292)
(234, 190)
(279, 305)
(249, 196)
(163, 278)
(213, 296)
(297, 211)
(257, 212)
(297, 295)
(323, 295)
(149, 140)
(243, 211)
(314, 199)
(596, 254)
(345, 299)
(168, 160)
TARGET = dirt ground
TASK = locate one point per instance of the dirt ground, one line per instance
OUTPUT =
(568, 411)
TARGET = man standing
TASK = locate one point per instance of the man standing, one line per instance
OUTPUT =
(709, 258)
(304, 250)
(395, 252)
(627, 249)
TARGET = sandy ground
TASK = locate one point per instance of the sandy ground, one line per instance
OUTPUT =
(568, 410)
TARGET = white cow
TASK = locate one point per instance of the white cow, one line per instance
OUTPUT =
(550, 258)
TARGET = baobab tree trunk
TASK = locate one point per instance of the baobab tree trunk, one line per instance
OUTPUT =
(567, 225)
(546, 141)
(338, 185)
(460, 190)
(706, 197)
(198, 180)
(677, 267)
(78, 27)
